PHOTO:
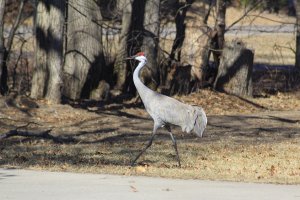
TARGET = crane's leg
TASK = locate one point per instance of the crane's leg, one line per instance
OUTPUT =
(174, 144)
(148, 145)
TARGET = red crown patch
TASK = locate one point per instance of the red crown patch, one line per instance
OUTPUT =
(140, 54)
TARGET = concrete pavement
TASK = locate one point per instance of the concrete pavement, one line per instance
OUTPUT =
(40, 185)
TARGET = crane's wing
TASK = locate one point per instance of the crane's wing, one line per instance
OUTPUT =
(166, 110)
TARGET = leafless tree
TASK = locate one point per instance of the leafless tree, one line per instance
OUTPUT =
(2, 47)
(297, 64)
(5, 50)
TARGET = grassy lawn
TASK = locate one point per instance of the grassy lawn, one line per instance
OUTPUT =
(237, 146)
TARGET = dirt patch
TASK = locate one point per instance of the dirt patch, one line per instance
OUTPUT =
(239, 146)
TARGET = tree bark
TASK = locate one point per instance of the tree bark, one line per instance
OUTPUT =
(297, 62)
(2, 47)
(220, 23)
(46, 81)
(180, 29)
(195, 47)
(84, 53)
(151, 38)
(120, 67)
(214, 43)
(235, 70)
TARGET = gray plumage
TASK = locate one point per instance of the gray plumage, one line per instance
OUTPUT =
(165, 110)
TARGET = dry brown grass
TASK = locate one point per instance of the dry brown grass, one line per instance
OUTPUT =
(254, 148)
(276, 162)
(256, 17)
(269, 48)
(272, 49)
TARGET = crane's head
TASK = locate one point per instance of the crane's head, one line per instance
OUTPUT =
(140, 56)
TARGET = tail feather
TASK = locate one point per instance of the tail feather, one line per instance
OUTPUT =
(200, 122)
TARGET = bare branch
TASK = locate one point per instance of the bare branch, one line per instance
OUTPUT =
(207, 13)
(272, 20)
(244, 15)
(37, 134)
(14, 28)
(14, 74)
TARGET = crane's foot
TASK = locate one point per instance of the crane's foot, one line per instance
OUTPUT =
(132, 164)
(178, 158)
(148, 145)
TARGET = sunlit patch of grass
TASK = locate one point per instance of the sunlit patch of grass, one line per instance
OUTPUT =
(271, 49)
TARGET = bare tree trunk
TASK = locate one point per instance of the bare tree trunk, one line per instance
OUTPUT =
(195, 48)
(235, 70)
(220, 23)
(297, 63)
(2, 47)
(46, 81)
(121, 66)
(55, 55)
(217, 37)
(41, 42)
(84, 53)
(180, 29)
(214, 44)
(151, 37)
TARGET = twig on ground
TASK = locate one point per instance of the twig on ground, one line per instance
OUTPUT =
(38, 134)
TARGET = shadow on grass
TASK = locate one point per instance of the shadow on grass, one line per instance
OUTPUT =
(112, 107)
(219, 127)
(119, 144)
(266, 128)
(271, 79)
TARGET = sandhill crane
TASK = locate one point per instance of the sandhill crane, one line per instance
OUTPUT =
(166, 111)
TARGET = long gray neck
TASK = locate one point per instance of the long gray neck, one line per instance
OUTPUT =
(141, 88)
